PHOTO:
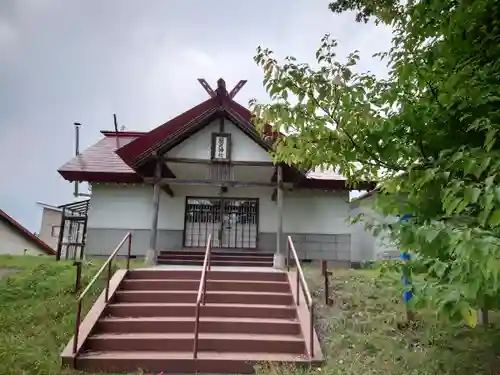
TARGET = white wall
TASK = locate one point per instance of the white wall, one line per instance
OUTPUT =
(118, 206)
(198, 146)
(11, 242)
(130, 207)
(316, 211)
(369, 246)
(50, 218)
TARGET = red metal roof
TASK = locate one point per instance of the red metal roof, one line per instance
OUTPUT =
(137, 151)
(108, 162)
(100, 163)
(132, 151)
(26, 233)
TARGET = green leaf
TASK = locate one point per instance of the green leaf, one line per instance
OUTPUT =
(452, 205)
(494, 219)
(484, 164)
(469, 315)
(472, 194)
(490, 139)
(426, 133)
(431, 235)
(470, 165)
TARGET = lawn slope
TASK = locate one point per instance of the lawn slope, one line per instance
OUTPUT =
(37, 312)
(360, 334)
(363, 334)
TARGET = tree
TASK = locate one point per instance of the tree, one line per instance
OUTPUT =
(428, 132)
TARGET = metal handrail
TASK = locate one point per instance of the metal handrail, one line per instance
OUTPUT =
(301, 281)
(202, 291)
(108, 264)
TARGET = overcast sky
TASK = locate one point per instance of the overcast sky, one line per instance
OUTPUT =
(63, 61)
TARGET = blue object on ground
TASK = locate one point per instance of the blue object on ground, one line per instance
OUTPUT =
(405, 256)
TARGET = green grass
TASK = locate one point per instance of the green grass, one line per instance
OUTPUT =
(362, 334)
(37, 312)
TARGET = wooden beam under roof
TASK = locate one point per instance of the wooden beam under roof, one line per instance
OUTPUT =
(208, 161)
(174, 181)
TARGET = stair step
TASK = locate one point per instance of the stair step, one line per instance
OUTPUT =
(245, 253)
(188, 309)
(207, 325)
(183, 296)
(180, 362)
(215, 263)
(212, 275)
(249, 317)
(212, 285)
(215, 257)
(221, 342)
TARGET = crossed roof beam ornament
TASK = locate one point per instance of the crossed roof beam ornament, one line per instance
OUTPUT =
(221, 87)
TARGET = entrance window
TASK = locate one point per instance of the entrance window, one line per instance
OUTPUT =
(233, 222)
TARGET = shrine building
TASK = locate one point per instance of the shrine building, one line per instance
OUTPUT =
(208, 171)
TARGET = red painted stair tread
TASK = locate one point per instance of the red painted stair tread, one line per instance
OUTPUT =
(249, 317)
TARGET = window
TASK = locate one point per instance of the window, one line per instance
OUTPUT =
(55, 230)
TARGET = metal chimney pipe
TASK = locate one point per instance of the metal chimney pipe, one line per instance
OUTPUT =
(77, 151)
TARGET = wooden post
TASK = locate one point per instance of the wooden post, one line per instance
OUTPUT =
(78, 281)
(151, 254)
(324, 272)
(279, 259)
(484, 317)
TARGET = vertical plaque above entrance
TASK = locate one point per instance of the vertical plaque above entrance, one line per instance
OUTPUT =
(221, 147)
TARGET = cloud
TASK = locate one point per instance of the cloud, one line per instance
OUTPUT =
(65, 61)
(7, 36)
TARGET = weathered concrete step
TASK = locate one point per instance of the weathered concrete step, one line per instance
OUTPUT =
(183, 296)
(208, 362)
(221, 342)
(215, 263)
(212, 285)
(257, 254)
(246, 253)
(216, 257)
(188, 309)
(187, 274)
(207, 325)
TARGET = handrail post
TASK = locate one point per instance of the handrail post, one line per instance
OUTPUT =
(209, 257)
(129, 250)
(108, 263)
(77, 325)
(301, 281)
(196, 331)
(288, 255)
(311, 330)
(202, 291)
(298, 287)
(106, 298)
(78, 280)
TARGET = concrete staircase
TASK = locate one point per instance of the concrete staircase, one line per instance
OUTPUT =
(242, 258)
(249, 317)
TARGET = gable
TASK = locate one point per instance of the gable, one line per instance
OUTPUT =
(14, 238)
(13, 243)
(198, 145)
